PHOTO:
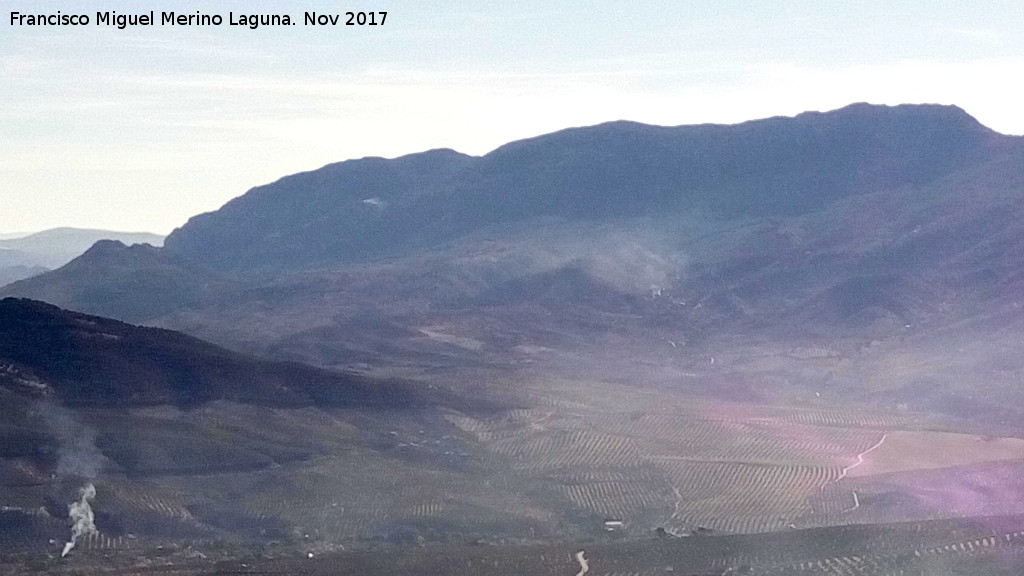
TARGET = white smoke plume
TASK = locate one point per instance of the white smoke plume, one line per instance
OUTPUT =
(633, 256)
(83, 522)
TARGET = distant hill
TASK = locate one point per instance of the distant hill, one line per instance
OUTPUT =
(759, 205)
(133, 283)
(10, 257)
(56, 247)
(17, 272)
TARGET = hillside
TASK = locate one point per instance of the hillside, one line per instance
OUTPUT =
(145, 413)
(81, 360)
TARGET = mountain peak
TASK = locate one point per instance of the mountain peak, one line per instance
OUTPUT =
(938, 116)
(105, 247)
(117, 245)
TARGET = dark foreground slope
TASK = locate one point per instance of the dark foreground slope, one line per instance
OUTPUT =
(81, 360)
(187, 443)
(59, 367)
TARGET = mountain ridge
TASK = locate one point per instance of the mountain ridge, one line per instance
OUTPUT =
(359, 210)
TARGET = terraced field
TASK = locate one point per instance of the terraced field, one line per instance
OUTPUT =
(551, 469)
(361, 496)
(635, 494)
(684, 464)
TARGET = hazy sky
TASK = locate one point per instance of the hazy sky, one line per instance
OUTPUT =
(139, 129)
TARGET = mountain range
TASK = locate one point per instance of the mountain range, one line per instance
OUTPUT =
(841, 230)
(361, 210)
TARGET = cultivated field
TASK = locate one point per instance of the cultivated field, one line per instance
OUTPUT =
(548, 467)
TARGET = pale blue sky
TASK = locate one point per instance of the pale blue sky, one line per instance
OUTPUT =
(140, 129)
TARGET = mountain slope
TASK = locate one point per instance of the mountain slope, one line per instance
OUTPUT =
(348, 211)
(88, 360)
